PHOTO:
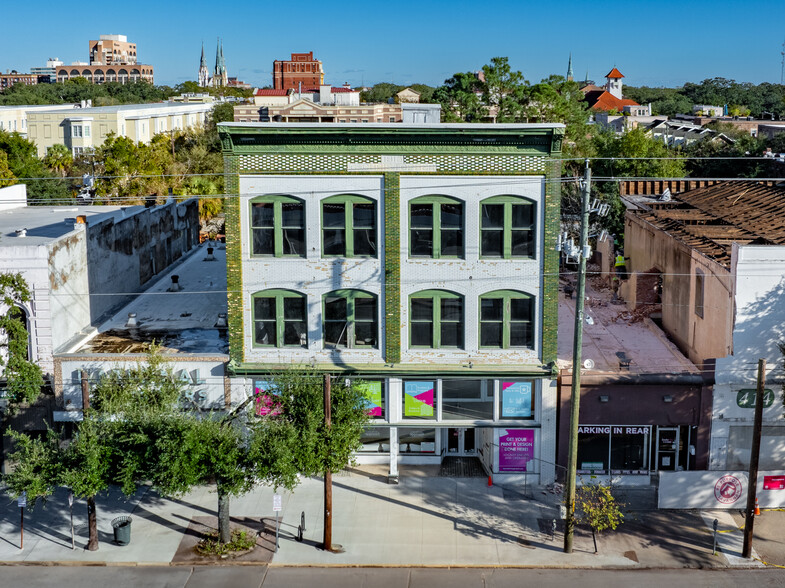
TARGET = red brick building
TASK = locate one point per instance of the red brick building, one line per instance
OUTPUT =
(9, 79)
(302, 67)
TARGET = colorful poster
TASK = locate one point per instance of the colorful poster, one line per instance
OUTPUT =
(373, 396)
(517, 400)
(264, 399)
(516, 449)
(418, 399)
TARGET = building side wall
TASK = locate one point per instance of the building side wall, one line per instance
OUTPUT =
(653, 253)
(124, 254)
(759, 298)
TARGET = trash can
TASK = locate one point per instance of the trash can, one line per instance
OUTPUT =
(122, 530)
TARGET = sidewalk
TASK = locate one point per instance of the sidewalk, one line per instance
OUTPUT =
(423, 521)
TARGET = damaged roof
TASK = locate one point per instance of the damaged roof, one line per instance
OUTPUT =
(181, 318)
(712, 218)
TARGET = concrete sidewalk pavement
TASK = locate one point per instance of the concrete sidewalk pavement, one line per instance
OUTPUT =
(423, 521)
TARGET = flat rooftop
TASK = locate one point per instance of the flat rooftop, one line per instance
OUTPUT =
(134, 107)
(45, 224)
(614, 334)
(182, 322)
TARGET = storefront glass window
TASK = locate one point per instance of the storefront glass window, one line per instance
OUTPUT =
(375, 440)
(467, 400)
(624, 448)
(374, 398)
(417, 441)
(629, 450)
(516, 400)
(418, 399)
(593, 449)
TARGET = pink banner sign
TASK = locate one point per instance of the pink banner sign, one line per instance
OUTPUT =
(516, 449)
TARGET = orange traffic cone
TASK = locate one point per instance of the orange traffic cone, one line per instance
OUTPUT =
(490, 481)
(757, 508)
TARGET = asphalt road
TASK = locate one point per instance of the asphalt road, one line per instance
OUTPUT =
(261, 576)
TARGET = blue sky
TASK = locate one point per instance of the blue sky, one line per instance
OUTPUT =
(664, 43)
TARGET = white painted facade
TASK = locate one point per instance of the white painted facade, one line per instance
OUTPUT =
(315, 276)
(758, 273)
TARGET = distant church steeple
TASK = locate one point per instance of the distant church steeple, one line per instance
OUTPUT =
(219, 74)
(569, 69)
(204, 74)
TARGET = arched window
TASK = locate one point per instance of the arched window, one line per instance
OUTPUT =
(280, 319)
(507, 227)
(348, 226)
(350, 319)
(506, 319)
(436, 319)
(436, 227)
(278, 226)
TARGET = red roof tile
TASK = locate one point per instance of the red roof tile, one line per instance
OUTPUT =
(606, 101)
(269, 92)
(614, 73)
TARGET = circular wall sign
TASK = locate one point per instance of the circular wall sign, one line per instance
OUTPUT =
(727, 490)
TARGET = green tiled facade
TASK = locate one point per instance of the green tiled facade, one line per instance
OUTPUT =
(391, 151)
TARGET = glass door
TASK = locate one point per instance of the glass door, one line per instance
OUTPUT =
(461, 441)
(667, 448)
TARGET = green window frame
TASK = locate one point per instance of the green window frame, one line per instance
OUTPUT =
(507, 320)
(277, 226)
(436, 320)
(280, 319)
(437, 227)
(507, 227)
(349, 226)
(350, 319)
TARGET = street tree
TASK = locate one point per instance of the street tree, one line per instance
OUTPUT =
(7, 177)
(23, 377)
(460, 97)
(298, 408)
(505, 90)
(58, 158)
(598, 508)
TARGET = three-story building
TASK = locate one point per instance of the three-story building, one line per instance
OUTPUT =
(418, 258)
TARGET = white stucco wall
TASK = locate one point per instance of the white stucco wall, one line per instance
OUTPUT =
(759, 297)
(203, 378)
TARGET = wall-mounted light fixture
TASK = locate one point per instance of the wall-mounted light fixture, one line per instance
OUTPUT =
(667, 398)
(604, 398)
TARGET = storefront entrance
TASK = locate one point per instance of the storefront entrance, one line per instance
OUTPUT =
(461, 441)
(667, 448)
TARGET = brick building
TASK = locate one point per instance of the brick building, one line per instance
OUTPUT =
(302, 68)
(9, 79)
(420, 258)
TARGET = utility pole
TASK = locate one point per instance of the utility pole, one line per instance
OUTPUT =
(752, 483)
(575, 391)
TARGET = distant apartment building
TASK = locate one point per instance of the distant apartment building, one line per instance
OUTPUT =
(13, 119)
(86, 128)
(9, 79)
(302, 68)
(112, 50)
(112, 59)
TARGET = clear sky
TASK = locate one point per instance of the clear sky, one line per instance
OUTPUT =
(664, 43)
